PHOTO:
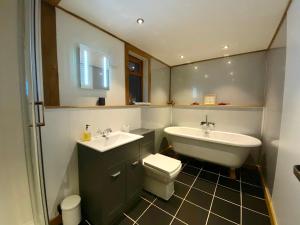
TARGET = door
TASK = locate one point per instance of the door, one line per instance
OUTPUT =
(33, 111)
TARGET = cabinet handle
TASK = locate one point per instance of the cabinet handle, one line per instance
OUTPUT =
(115, 175)
(135, 163)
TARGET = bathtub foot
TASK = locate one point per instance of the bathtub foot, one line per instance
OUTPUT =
(232, 173)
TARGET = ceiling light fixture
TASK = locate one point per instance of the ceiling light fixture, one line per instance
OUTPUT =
(196, 67)
(229, 62)
(140, 20)
(181, 56)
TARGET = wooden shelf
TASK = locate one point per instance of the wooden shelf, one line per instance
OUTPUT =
(106, 107)
(220, 106)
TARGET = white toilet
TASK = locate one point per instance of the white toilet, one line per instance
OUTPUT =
(160, 173)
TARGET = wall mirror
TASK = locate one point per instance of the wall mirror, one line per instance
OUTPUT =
(93, 68)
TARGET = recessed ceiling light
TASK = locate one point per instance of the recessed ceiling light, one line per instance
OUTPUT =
(228, 62)
(181, 56)
(140, 20)
(231, 73)
(195, 67)
(205, 76)
(225, 47)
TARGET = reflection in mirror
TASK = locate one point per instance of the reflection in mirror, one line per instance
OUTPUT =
(135, 68)
(94, 69)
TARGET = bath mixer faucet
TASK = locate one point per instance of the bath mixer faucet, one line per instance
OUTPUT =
(207, 125)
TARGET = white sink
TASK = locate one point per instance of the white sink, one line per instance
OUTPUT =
(113, 140)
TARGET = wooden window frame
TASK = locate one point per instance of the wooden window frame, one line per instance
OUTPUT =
(131, 49)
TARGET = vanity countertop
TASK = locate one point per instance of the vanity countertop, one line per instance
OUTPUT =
(141, 131)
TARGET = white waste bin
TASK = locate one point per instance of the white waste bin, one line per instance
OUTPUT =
(71, 211)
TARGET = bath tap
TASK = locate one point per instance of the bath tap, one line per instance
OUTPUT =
(207, 125)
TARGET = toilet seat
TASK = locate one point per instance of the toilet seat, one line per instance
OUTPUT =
(164, 164)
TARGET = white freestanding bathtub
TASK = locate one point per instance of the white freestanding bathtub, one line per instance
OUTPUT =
(224, 148)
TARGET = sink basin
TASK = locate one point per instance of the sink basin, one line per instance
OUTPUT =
(113, 140)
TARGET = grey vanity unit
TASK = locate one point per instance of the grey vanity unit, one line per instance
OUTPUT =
(110, 182)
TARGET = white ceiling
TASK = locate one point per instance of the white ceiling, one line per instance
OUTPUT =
(196, 29)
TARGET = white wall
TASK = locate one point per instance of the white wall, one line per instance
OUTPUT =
(239, 83)
(286, 191)
(63, 128)
(15, 206)
(160, 83)
(276, 58)
(70, 33)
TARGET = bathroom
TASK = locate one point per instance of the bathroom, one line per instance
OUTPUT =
(190, 108)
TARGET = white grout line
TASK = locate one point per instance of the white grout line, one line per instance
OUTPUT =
(241, 201)
(182, 183)
(256, 211)
(224, 218)
(145, 211)
(185, 196)
(212, 200)
(128, 217)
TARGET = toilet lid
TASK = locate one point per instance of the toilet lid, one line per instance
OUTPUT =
(163, 163)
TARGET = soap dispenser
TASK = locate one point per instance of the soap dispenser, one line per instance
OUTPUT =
(86, 135)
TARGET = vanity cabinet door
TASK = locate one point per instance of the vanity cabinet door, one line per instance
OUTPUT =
(134, 169)
(113, 193)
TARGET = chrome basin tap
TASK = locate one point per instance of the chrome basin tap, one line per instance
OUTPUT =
(104, 133)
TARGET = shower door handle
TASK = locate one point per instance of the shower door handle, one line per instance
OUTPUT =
(40, 123)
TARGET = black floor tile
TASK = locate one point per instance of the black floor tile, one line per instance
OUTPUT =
(226, 209)
(212, 167)
(150, 197)
(177, 222)
(228, 194)
(256, 204)
(208, 176)
(252, 190)
(230, 183)
(180, 189)
(200, 198)
(196, 163)
(216, 220)
(192, 214)
(250, 218)
(191, 170)
(138, 209)
(171, 206)
(124, 221)
(205, 185)
(250, 176)
(154, 216)
(185, 178)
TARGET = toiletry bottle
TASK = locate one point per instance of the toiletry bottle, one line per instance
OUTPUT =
(86, 135)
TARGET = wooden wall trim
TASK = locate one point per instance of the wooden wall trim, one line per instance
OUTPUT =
(268, 199)
(56, 221)
(49, 55)
(52, 2)
(222, 57)
(280, 23)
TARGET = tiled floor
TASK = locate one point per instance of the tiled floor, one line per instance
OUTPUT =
(204, 195)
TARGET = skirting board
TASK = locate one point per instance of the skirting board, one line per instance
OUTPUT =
(268, 198)
(56, 221)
